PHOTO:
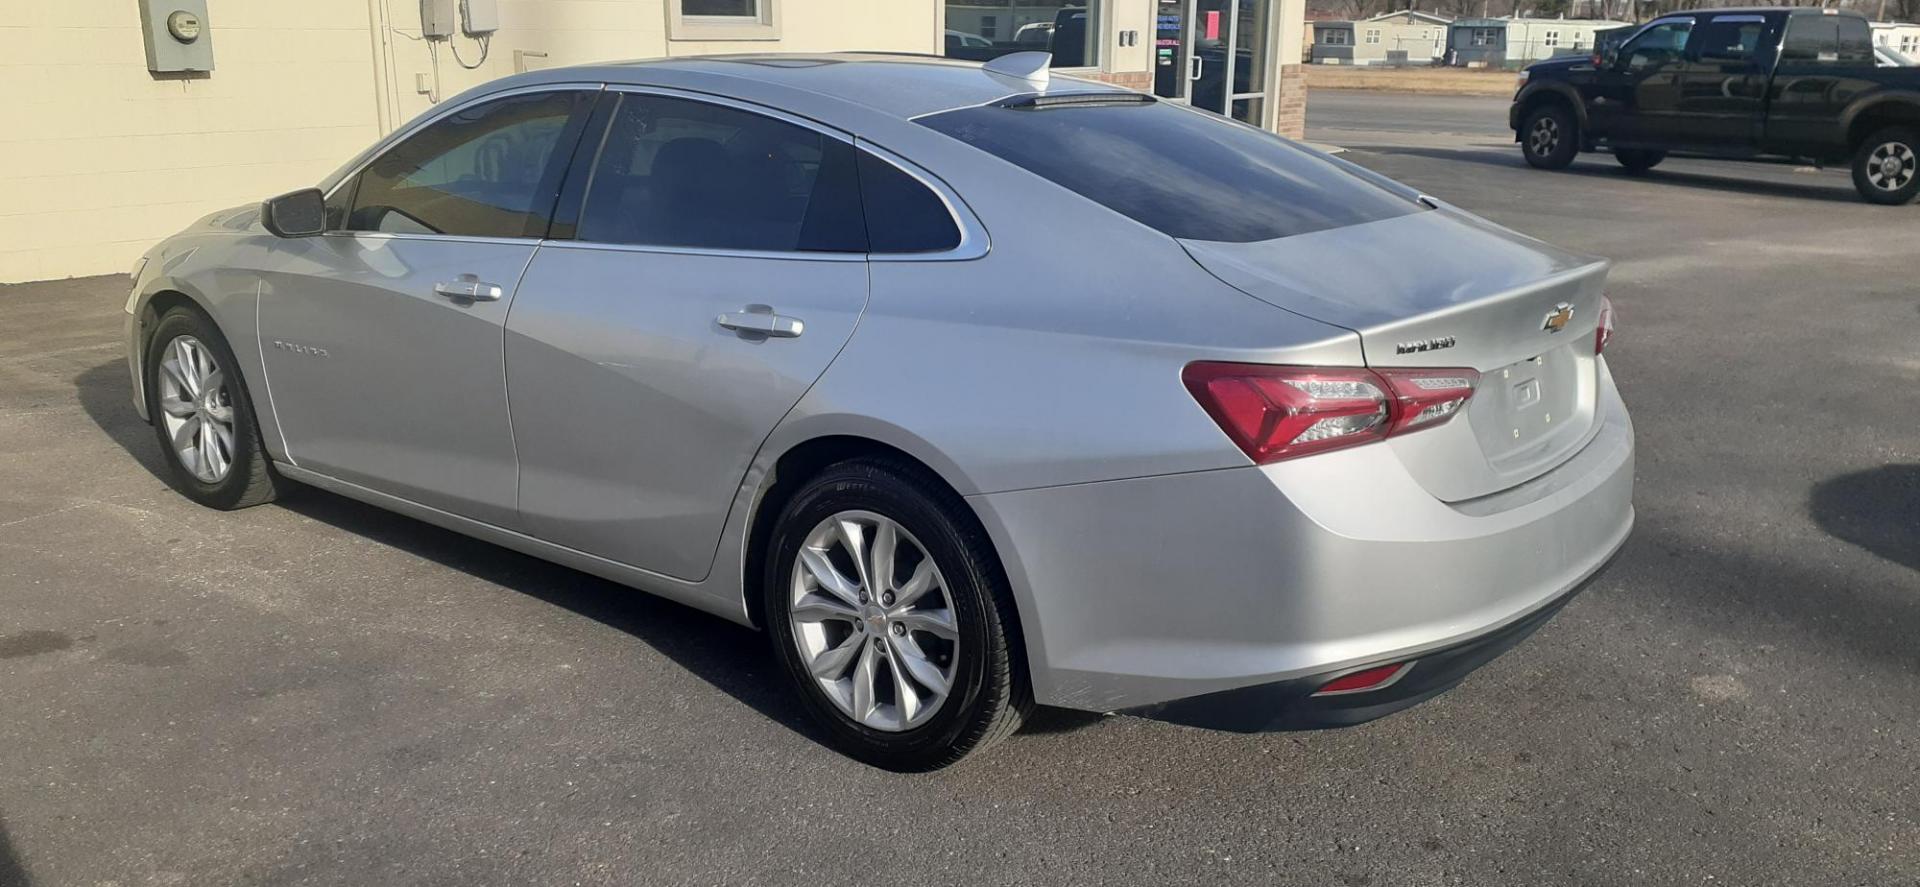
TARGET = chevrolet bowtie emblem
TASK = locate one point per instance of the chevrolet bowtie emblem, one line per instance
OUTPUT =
(1558, 320)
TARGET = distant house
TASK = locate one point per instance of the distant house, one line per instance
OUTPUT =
(1399, 38)
(1516, 42)
(1899, 36)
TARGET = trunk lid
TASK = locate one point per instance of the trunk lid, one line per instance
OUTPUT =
(1443, 288)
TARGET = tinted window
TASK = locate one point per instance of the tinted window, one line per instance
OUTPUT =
(1658, 44)
(720, 7)
(1181, 172)
(1732, 40)
(903, 216)
(339, 204)
(682, 173)
(486, 171)
(1831, 39)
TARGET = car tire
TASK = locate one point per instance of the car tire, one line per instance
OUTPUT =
(939, 554)
(203, 417)
(1886, 167)
(1637, 160)
(1550, 137)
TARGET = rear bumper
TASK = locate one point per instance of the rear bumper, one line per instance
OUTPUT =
(1136, 594)
(1291, 705)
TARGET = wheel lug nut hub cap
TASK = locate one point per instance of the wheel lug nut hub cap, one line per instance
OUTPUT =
(852, 648)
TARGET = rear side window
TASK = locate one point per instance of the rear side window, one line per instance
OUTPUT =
(903, 216)
(485, 171)
(682, 173)
(1729, 39)
(1179, 172)
(1831, 39)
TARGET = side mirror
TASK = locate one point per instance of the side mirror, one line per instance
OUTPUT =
(300, 213)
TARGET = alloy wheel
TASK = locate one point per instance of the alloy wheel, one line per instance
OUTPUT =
(1891, 166)
(196, 409)
(874, 621)
(1545, 136)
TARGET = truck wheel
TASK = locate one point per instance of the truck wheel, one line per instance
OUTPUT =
(1549, 138)
(1637, 160)
(1886, 168)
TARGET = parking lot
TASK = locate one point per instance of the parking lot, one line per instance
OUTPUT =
(320, 692)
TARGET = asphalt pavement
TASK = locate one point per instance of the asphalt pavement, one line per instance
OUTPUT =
(317, 692)
(1337, 114)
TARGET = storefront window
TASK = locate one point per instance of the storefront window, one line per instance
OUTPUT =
(984, 29)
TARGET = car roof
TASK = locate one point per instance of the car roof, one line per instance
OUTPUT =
(898, 84)
(1761, 10)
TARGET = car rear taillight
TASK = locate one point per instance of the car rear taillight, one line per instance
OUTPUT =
(1280, 412)
(1426, 398)
(1365, 681)
(1603, 333)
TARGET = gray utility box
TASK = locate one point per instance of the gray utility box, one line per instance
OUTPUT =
(436, 19)
(178, 36)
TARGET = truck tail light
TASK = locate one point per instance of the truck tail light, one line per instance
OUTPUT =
(1281, 412)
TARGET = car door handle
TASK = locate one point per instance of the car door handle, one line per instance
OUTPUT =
(760, 320)
(469, 290)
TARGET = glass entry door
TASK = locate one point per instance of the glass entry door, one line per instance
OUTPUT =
(1172, 49)
(1213, 55)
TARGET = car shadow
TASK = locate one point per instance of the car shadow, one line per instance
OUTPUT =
(732, 658)
(1877, 509)
(13, 873)
(1602, 167)
(106, 395)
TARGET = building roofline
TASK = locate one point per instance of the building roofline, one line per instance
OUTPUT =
(1432, 17)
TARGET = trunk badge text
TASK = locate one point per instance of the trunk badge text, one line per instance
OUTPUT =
(1434, 344)
(1558, 320)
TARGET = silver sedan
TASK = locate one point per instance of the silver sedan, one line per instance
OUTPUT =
(976, 389)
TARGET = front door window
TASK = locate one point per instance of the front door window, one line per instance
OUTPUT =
(486, 171)
(1658, 45)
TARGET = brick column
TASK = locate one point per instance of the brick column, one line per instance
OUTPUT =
(1289, 98)
(1139, 81)
(1287, 86)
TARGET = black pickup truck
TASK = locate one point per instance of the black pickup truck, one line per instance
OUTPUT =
(1738, 83)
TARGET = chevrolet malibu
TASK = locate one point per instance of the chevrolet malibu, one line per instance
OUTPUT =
(975, 389)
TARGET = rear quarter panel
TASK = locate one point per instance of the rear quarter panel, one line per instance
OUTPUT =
(1053, 360)
(1810, 107)
(1056, 357)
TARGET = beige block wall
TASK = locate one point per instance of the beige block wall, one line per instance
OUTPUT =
(572, 32)
(98, 159)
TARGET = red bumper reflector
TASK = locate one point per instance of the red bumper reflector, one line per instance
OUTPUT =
(1363, 681)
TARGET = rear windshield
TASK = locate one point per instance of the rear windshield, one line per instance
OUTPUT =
(1180, 172)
